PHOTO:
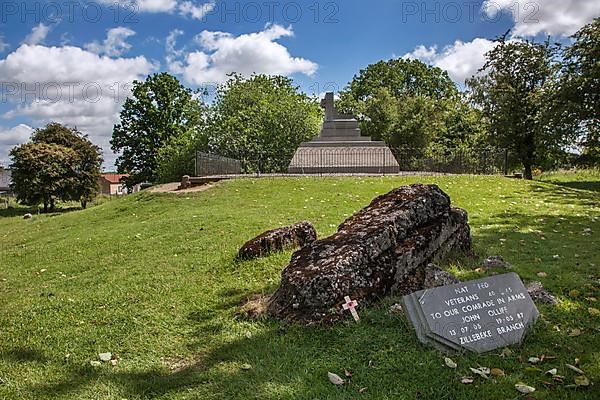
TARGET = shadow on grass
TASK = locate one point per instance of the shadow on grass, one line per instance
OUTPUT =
(593, 186)
(22, 355)
(21, 211)
(560, 243)
(292, 362)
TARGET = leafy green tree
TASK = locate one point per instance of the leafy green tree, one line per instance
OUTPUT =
(177, 156)
(410, 123)
(464, 127)
(41, 173)
(580, 89)
(514, 93)
(58, 164)
(402, 78)
(159, 108)
(409, 104)
(261, 120)
(88, 162)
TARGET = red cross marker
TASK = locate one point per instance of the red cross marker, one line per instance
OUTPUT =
(351, 305)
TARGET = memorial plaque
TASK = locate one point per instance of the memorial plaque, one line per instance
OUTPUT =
(479, 315)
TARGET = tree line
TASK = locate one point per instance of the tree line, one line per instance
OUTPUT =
(537, 100)
(540, 101)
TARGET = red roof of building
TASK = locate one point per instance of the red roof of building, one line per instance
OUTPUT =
(114, 178)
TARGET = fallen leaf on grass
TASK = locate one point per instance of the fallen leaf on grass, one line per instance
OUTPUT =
(497, 372)
(552, 372)
(347, 373)
(574, 368)
(450, 363)
(362, 390)
(246, 367)
(481, 371)
(533, 360)
(581, 380)
(466, 380)
(575, 332)
(335, 379)
(542, 274)
(525, 389)
(594, 311)
(95, 363)
(506, 352)
(105, 356)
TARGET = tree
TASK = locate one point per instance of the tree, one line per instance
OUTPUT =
(514, 92)
(87, 163)
(158, 109)
(580, 89)
(261, 120)
(58, 164)
(410, 123)
(177, 156)
(408, 104)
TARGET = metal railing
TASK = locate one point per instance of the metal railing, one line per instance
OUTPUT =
(211, 164)
(352, 160)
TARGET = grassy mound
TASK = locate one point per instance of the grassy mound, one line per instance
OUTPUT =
(153, 279)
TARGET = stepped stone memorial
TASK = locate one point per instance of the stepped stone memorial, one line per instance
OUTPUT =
(374, 253)
(480, 315)
(340, 148)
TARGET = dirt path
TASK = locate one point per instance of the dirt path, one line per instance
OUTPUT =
(172, 188)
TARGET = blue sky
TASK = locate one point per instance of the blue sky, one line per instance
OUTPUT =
(73, 61)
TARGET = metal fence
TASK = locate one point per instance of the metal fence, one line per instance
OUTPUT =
(212, 164)
(352, 160)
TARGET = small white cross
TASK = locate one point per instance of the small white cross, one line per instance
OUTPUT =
(351, 305)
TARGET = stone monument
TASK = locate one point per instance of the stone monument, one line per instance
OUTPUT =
(373, 254)
(340, 148)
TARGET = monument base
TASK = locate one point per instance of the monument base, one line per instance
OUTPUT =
(334, 158)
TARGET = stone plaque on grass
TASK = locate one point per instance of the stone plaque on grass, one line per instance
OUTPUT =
(480, 315)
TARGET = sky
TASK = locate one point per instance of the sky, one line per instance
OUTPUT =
(74, 61)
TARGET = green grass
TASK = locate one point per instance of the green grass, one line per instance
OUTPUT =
(153, 278)
(577, 179)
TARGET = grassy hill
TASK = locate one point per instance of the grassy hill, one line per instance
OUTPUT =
(153, 278)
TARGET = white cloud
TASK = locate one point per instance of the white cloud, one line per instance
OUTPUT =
(553, 17)
(115, 43)
(70, 64)
(72, 86)
(188, 8)
(3, 44)
(156, 5)
(259, 52)
(38, 34)
(173, 64)
(11, 137)
(461, 59)
(151, 6)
